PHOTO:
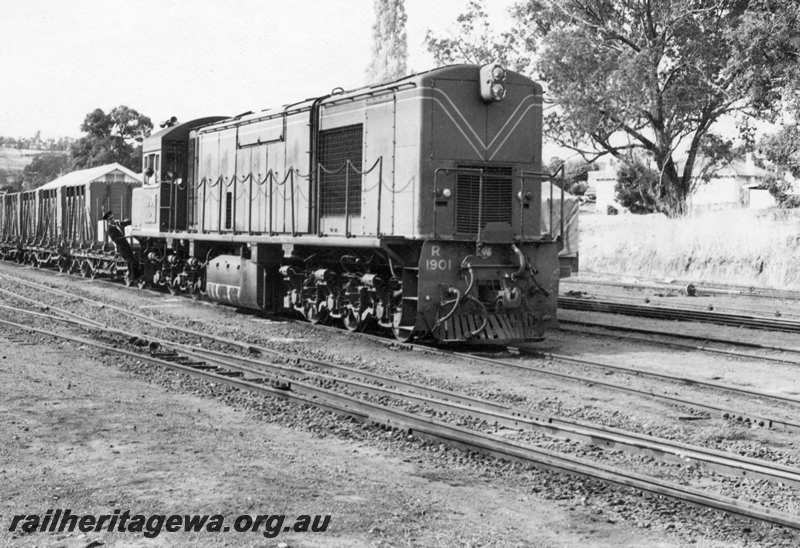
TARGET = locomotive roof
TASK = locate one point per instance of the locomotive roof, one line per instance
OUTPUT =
(178, 132)
(83, 176)
(460, 71)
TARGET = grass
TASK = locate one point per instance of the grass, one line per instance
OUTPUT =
(759, 248)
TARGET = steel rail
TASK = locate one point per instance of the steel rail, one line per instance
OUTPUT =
(486, 410)
(459, 437)
(663, 376)
(722, 411)
(645, 331)
(672, 400)
(702, 287)
(678, 314)
(695, 303)
(674, 344)
(668, 450)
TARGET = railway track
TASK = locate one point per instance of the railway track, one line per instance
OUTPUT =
(450, 402)
(673, 339)
(679, 314)
(727, 413)
(280, 380)
(701, 288)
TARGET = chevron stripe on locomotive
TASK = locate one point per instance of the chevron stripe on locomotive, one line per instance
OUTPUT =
(414, 205)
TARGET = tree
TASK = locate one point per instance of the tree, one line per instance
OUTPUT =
(654, 75)
(637, 186)
(477, 43)
(112, 137)
(44, 168)
(782, 149)
(571, 175)
(389, 42)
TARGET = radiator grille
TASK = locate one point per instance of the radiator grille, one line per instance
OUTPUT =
(497, 198)
(335, 147)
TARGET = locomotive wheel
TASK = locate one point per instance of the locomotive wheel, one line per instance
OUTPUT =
(313, 313)
(352, 319)
(195, 290)
(402, 333)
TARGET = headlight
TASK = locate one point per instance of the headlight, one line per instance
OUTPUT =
(498, 73)
(492, 78)
(498, 91)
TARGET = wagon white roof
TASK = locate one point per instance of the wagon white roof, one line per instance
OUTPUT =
(84, 176)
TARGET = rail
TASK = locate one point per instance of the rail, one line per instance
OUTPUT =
(679, 314)
(229, 372)
(737, 414)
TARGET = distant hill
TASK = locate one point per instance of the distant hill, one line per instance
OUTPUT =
(13, 161)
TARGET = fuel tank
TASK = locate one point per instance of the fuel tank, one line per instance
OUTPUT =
(236, 281)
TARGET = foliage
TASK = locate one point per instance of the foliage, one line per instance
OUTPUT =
(477, 43)
(782, 148)
(650, 76)
(44, 168)
(37, 142)
(112, 137)
(572, 175)
(9, 180)
(389, 42)
(780, 189)
(638, 186)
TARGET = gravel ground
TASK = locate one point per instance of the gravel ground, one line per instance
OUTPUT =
(94, 434)
(602, 504)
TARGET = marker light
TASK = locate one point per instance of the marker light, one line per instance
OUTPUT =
(443, 193)
(498, 73)
(498, 91)
(492, 78)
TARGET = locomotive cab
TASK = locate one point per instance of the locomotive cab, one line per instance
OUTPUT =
(161, 204)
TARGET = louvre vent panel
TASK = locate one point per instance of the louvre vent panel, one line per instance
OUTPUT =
(497, 198)
(336, 146)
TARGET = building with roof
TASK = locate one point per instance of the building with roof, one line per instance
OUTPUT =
(734, 185)
(108, 173)
(737, 184)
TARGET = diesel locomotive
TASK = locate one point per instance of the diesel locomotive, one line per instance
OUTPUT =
(414, 205)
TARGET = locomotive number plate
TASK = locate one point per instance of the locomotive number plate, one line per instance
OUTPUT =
(436, 262)
(439, 264)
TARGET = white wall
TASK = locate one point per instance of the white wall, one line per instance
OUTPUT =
(603, 183)
(760, 199)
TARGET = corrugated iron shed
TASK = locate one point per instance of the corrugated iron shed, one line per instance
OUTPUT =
(98, 173)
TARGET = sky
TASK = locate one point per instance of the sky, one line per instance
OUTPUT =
(60, 60)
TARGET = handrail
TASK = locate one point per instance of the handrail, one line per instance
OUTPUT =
(274, 180)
